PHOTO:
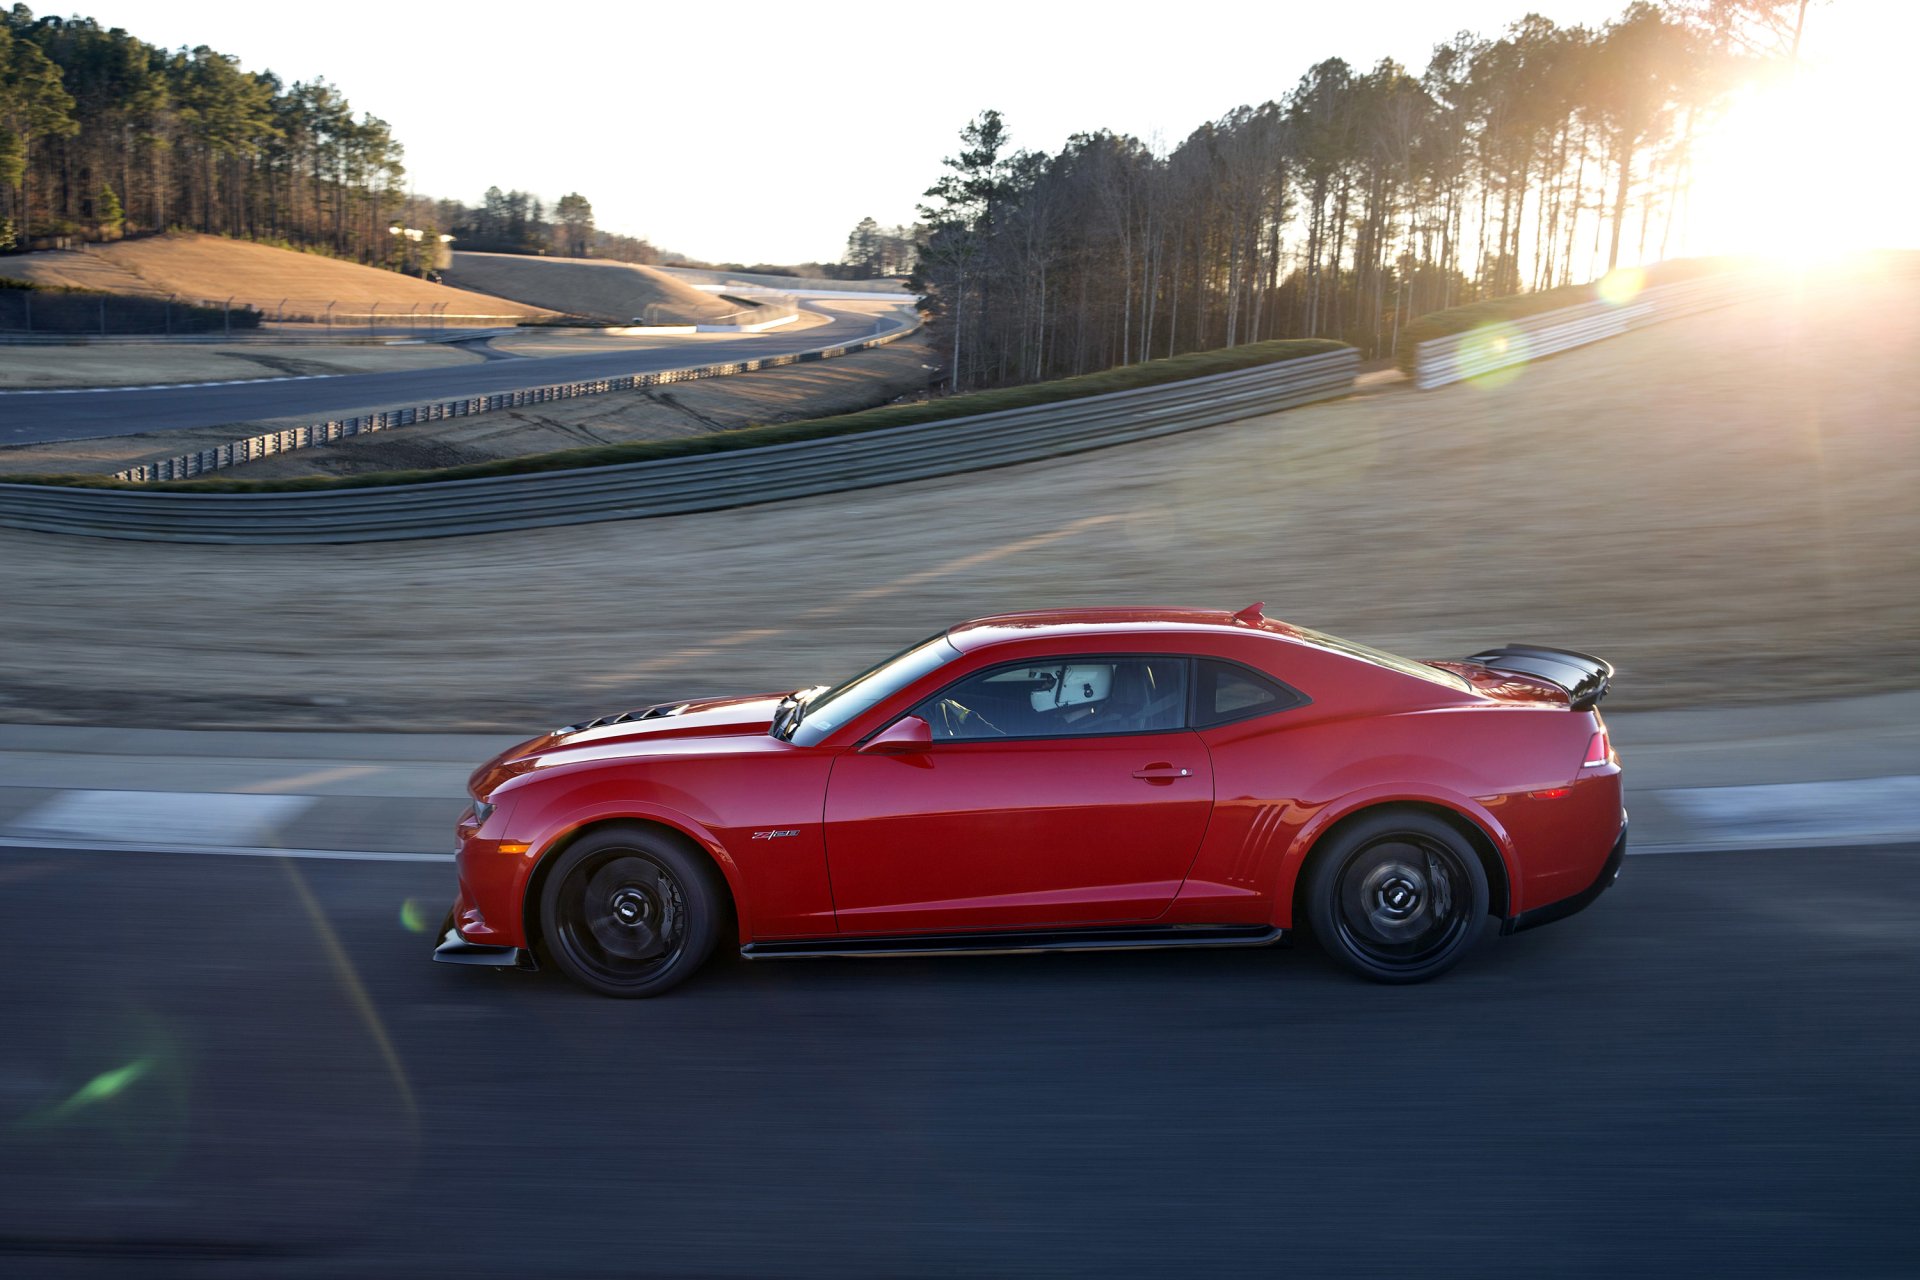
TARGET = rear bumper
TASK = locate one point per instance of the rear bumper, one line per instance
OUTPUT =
(454, 949)
(1609, 872)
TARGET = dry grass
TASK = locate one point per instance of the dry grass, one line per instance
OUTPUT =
(212, 267)
(1722, 505)
(616, 291)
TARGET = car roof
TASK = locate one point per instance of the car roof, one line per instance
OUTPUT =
(1092, 624)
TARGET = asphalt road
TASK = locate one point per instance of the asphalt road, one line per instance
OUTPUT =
(222, 1066)
(38, 417)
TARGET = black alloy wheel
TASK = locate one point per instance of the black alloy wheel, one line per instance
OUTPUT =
(1397, 897)
(630, 912)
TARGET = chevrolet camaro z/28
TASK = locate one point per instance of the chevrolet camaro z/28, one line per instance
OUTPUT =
(1089, 778)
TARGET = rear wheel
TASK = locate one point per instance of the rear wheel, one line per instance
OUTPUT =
(630, 912)
(1398, 896)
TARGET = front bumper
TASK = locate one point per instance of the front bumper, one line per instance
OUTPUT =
(1609, 872)
(454, 949)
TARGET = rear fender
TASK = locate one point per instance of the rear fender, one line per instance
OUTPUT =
(1332, 813)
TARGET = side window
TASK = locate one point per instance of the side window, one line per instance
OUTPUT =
(1062, 698)
(1228, 692)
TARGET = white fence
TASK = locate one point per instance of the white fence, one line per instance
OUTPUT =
(1500, 344)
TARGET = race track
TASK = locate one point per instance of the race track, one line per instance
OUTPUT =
(247, 1066)
(234, 1066)
(35, 417)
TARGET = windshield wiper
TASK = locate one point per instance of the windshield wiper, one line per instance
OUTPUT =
(788, 704)
(792, 710)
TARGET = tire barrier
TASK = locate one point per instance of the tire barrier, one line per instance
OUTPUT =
(672, 486)
(1500, 344)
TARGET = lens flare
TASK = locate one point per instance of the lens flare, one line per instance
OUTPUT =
(102, 1088)
(1503, 346)
(413, 917)
(1621, 286)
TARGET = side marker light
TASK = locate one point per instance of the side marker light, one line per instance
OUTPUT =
(1599, 751)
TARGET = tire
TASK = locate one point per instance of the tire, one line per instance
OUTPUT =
(631, 912)
(1397, 896)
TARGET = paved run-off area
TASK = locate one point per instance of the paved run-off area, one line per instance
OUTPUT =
(1723, 506)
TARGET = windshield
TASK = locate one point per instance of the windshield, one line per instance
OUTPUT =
(824, 714)
(1381, 658)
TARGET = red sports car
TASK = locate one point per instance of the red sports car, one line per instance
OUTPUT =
(1092, 778)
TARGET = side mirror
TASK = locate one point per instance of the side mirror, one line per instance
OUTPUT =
(904, 736)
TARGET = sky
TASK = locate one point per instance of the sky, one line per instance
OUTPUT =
(762, 132)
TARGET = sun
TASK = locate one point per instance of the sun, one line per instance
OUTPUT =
(1799, 167)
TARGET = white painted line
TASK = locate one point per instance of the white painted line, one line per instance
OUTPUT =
(1790, 813)
(165, 817)
(1669, 848)
(220, 851)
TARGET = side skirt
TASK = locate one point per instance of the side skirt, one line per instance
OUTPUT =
(1142, 938)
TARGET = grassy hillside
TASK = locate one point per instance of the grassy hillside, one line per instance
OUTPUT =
(615, 291)
(196, 267)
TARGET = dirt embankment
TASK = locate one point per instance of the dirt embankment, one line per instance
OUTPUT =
(1723, 506)
(618, 292)
(198, 267)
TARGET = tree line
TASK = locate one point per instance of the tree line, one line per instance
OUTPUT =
(1344, 208)
(103, 134)
(519, 222)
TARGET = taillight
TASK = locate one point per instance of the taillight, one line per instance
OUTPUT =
(1599, 751)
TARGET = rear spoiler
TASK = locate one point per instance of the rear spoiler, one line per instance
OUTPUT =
(1582, 675)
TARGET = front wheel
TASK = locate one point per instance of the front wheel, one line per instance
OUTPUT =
(630, 912)
(1397, 897)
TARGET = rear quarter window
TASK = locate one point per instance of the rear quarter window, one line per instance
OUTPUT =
(1226, 691)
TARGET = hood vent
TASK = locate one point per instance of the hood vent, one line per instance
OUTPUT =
(659, 712)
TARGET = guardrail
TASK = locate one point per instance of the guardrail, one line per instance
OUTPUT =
(672, 486)
(1457, 357)
(219, 457)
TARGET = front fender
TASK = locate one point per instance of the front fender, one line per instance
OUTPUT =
(557, 825)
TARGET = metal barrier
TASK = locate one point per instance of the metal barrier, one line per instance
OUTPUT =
(185, 466)
(670, 486)
(1500, 344)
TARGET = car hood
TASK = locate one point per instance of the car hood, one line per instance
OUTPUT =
(628, 734)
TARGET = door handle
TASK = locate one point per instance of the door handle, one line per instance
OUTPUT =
(1162, 773)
